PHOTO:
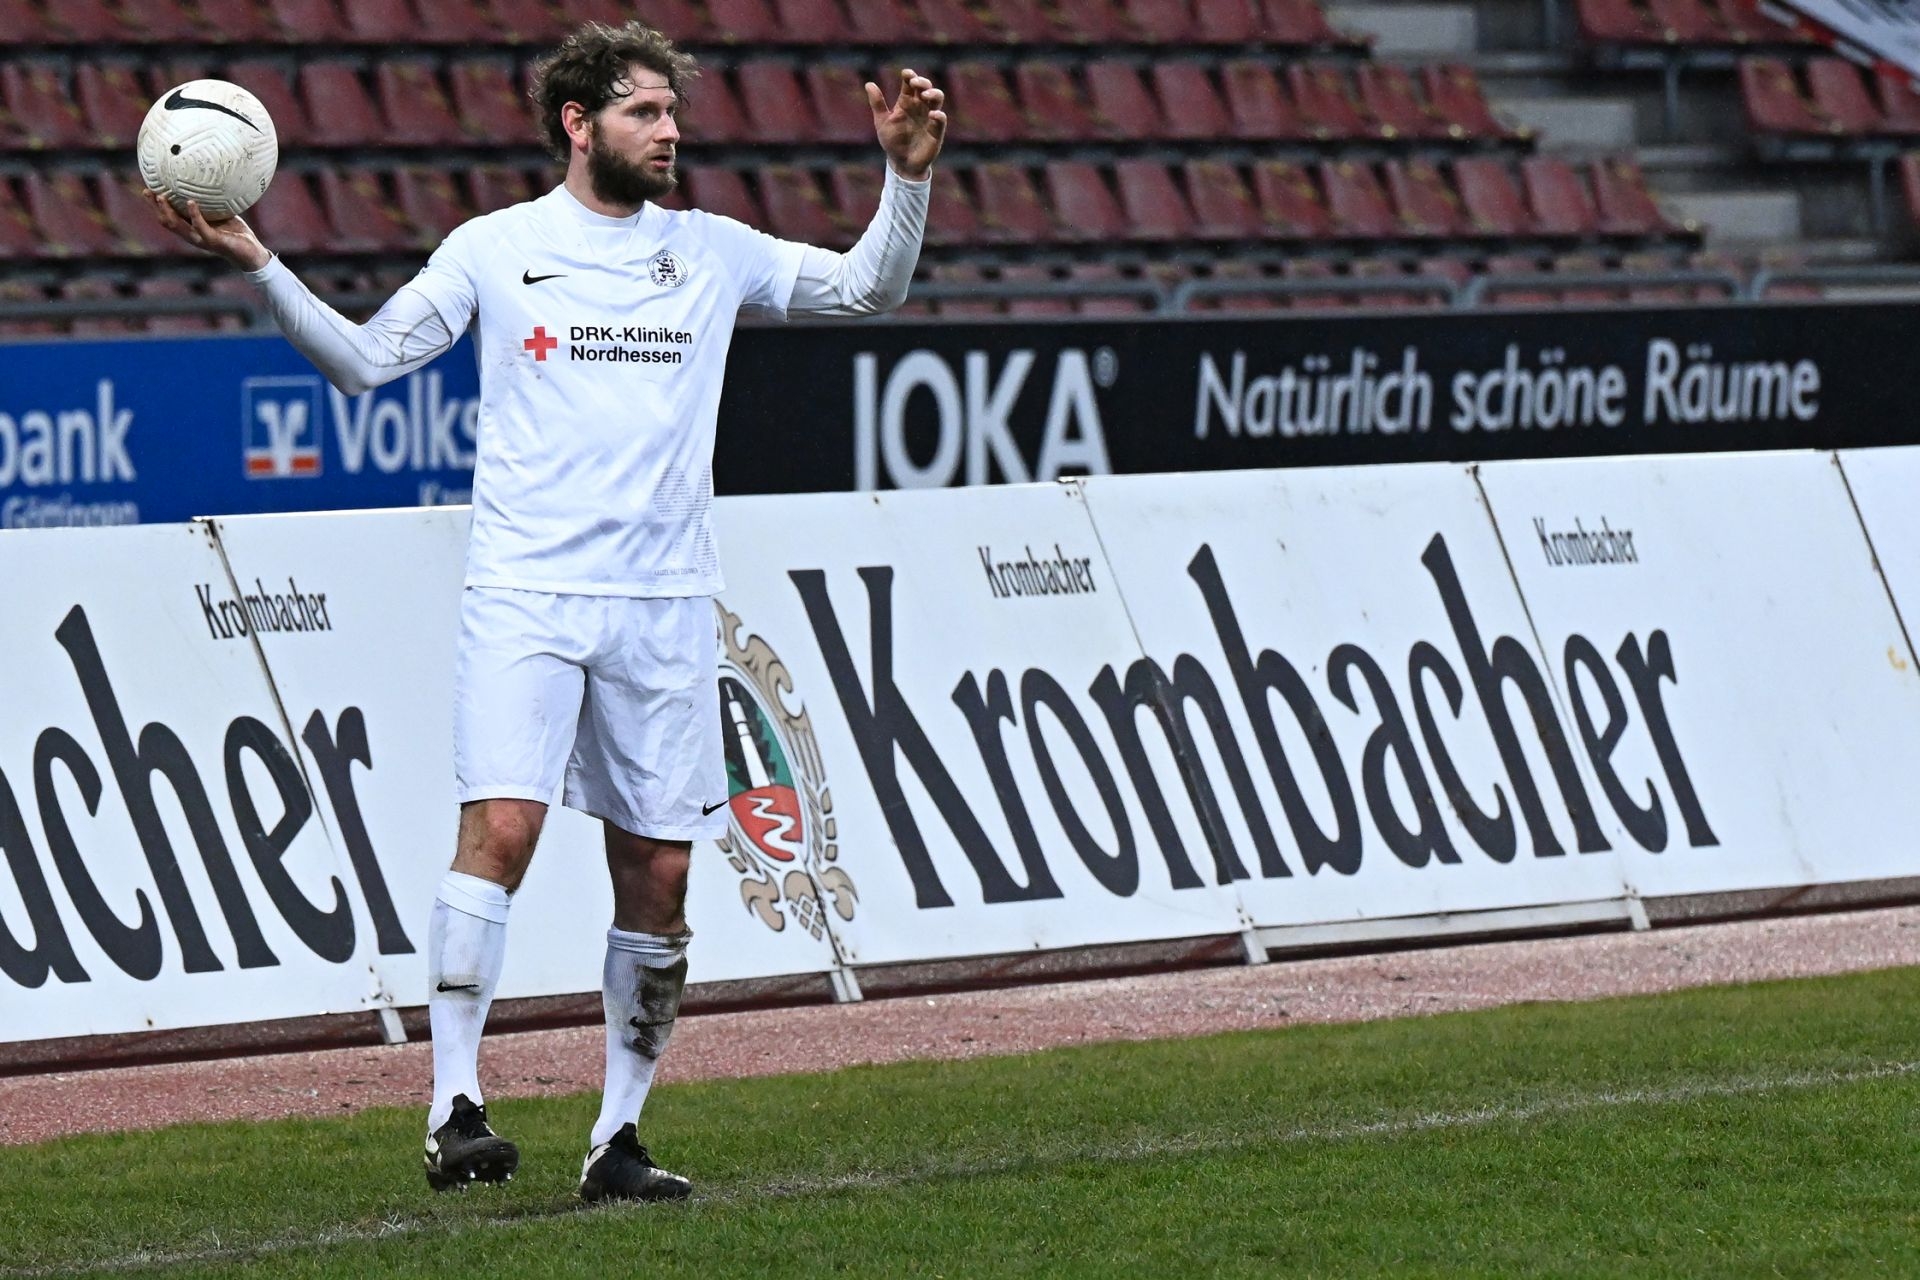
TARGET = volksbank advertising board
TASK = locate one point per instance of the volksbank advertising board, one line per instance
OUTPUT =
(142, 431)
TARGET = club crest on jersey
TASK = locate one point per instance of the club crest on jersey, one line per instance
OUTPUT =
(780, 827)
(667, 270)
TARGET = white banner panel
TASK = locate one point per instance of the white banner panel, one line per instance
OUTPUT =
(1733, 665)
(371, 696)
(1889, 29)
(935, 670)
(1363, 705)
(1886, 493)
(163, 865)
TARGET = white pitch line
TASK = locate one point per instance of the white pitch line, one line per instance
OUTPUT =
(1143, 1149)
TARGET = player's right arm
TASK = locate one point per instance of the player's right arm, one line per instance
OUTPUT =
(406, 333)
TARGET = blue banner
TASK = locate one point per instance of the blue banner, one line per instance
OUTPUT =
(142, 430)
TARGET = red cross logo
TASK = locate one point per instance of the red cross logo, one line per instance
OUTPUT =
(540, 343)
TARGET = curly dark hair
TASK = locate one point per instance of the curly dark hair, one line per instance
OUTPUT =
(594, 65)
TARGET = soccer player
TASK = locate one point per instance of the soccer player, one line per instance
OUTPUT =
(587, 653)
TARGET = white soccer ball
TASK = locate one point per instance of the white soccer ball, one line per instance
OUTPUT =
(210, 141)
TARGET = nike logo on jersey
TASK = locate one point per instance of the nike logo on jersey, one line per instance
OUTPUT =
(706, 809)
(181, 102)
(527, 277)
(457, 986)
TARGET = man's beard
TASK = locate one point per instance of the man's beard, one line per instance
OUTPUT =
(618, 180)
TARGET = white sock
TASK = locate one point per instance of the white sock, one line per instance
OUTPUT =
(640, 988)
(466, 945)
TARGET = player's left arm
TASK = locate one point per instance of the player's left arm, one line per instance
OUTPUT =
(873, 276)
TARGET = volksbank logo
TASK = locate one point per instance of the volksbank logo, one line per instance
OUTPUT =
(280, 426)
(977, 416)
(408, 425)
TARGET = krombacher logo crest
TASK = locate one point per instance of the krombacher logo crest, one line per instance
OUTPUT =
(781, 833)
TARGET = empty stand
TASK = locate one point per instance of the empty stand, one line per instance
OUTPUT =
(723, 191)
(1839, 94)
(42, 106)
(70, 223)
(112, 101)
(1290, 205)
(496, 187)
(1625, 206)
(951, 216)
(1325, 102)
(1358, 204)
(812, 22)
(983, 104)
(288, 218)
(381, 21)
(308, 21)
(883, 22)
(856, 193)
(1084, 206)
(431, 202)
(1494, 205)
(485, 103)
(713, 114)
(1223, 207)
(1053, 105)
(1422, 199)
(1773, 100)
(1010, 208)
(1455, 96)
(1387, 92)
(776, 107)
(364, 218)
(1558, 196)
(414, 107)
(269, 80)
(1151, 202)
(838, 98)
(798, 210)
(743, 22)
(1190, 104)
(132, 219)
(340, 112)
(19, 238)
(1122, 105)
(1257, 109)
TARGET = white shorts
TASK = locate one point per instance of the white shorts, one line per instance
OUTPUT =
(617, 696)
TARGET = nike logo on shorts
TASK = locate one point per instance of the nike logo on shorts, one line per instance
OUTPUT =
(707, 809)
(457, 986)
(527, 277)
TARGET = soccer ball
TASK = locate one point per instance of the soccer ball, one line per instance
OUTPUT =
(210, 141)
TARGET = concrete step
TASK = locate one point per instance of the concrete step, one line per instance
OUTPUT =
(1588, 124)
(1742, 220)
(1406, 30)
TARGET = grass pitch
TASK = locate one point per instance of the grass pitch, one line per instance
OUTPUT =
(1764, 1130)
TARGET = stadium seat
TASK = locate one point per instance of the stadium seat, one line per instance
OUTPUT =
(340, 113)
(1117, 305)
(1493, 204)
(1190, 106)
(1625, 206)
(415, 107)
(1054, 106)
(1840, 95)
(112, 101)
(684, 20)
(951, 22)
(18, 238)
(431, 201)
(839, 103)
(20, 291)
(1384, 270)
(1159, 21)
(364, 218)
(1222, 207)
(308, 21)
(1645, 291)
(743, 22)
(169, 289)
(1687, 22)
(1521, 294)
(89, 22)
(797, 210)
(1321, 95)
(1084, 207)
(1256, 107)
(951, 216)
(1899, 103)
(70, 221)
(485, 103)
(1313, 269)
(1587, 295)
(1091, 22)
(964, 273)
(1422, 201)
(536, 22)
(455, 22)
(497, 186)
(37, 97)
(1010, 208)
(22, 22)
(1558, 196)
(776, 107)
(1033, 306)
(1455, 96)
(97, 289)
(266, 80)
(1290, 205)
(1122, 107)
(127, 212)
(856, 193)
(712, 112)
(1153, 205)
(1749, 25)
(155, 22)
(381, 21)
(288, 219)
(1358, 205)
(1387, 93)
(235, 22)
(984, 107)
(1615, 22)
(1773, 103)
(723, 191)
(1226, 21)
(812, 22)
(1022, 22)
(1301, 22)
(1237, 269)
(883, 22)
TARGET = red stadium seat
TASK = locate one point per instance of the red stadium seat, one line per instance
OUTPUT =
(1153, 205)
(1122, 106)
(684, 20)
(1092, 22)
(1647, 263)
(1023, 22)
(1455, 96)
(495, 187)
(96, 289)
(534, 21)
(883, 22)
(777, 108)
(19, 239)
(132, 220)
(968, 274)
(723, 192)
(951, 216)
(1909, 169)
(89, 22)
(1773, 102)
(1083, 204)
(712, 112)
(155, 22)
(1520, 295)
(19, 291)
(1750, 26)
(71, 223)
(1494, 206)
(1301, 22)
(1325, 101)
(1615, 22)
(1356, 201)
(1687, 22)
(37, 97)
(1119, 305)
(1290, 205)
(983, 105)
(1559, 198)
(170, 289)
(430, 200)
(1223, 210)
(1226, 21)
(1313, 269)
(381, 21)
(1190, 106)
(1383, 269)
(1055, 107)
(235, 22)
(22, 22)
(1899, 103)
(743, 22)
(1625, 205)
(309, 21)
(797, 210)
(112, 101)
(267, 81)
(839, 103)
(1029, 306)
(1387, 93)
(1586, 295)
(456, 22)
(1010, 208)
(1258, 109)
(1841, 96)
(813, 22)
(1159, 21)
(414, 105)
(340, 113)
(1423, 202)
(288, 219)
(856, 193)
(1237, 269)
(486, 104)
(952, 22)
(364, 218)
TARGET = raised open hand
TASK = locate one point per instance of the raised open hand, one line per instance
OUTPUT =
(912, 129)
(230, 238)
